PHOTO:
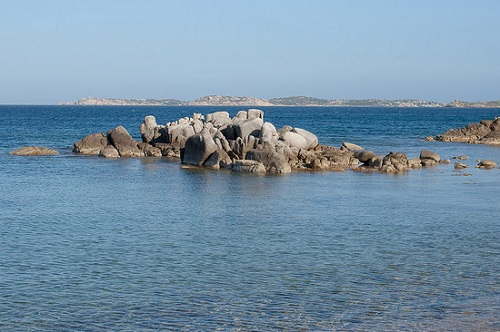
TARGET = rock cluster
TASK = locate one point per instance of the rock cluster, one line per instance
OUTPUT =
(484, 132)
(244, 143)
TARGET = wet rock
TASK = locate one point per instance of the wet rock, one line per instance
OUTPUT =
(461, 157)
(458, 165)
(34, 151)
(248, 166)
(429, 158)
(486, 164)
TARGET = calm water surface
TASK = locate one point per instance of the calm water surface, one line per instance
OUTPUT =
(144, 244)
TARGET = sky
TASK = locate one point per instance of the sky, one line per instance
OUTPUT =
(54, 51)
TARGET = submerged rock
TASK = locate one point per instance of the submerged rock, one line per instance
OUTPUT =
(34, 151)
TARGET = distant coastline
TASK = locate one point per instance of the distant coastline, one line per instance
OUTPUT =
(217, 100)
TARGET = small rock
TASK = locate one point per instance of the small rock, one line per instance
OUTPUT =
(461, 157)
(486, 164)
(426, 154)
(458, 165)
(34, 151)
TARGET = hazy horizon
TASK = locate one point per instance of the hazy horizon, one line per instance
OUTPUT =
(60, 51)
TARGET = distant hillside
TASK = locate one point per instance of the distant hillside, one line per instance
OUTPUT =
(310, 101)
(129, 102)
(217, 100)
(480, 104)
(299, 101)
(229, 101)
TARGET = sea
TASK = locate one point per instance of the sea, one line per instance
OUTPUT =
(145, 244)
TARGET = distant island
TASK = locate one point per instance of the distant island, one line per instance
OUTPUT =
(216, 100)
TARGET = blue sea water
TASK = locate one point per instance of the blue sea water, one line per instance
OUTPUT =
(94, 244)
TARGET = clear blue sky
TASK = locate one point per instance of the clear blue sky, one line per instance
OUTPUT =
(62, 50)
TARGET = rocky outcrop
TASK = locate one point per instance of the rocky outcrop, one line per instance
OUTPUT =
(34, 151)
(116, 143)
(484, 132)
(245, 143)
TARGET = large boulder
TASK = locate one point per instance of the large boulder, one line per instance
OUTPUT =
(198, 148)
(255, 113)
(295, 140)
(312, 140)
(219, 119)
(124, 143)
(268, 134)
(272, 160)
(34, 151)
(91, 144)
(150, 131)
(249, 127)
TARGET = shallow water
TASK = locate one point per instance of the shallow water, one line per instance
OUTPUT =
(145, 244)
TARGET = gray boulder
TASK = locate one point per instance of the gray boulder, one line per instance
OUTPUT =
(248, 166)
(272, 161)
(198, 148)
(124, 143)
(255, 113)
(109, 152)
(295, 140)
(219, 119)
(91, 144)
(312, 140)
(249, 127)
(268, 134)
